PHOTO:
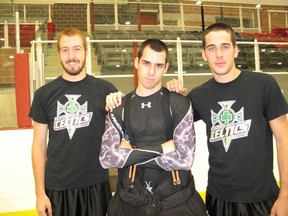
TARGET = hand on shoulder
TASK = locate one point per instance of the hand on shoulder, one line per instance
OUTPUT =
(176, 85)
(114, 100)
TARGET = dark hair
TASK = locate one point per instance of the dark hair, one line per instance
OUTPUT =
(156, 45)
(219, 27)
(71, 32)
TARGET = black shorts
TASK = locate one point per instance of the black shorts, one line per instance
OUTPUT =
(193, 205)
(88, 201)
(217, 207)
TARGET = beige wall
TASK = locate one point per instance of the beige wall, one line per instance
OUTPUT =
(8, 108)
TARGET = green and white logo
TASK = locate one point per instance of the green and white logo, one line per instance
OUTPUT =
(72, 115)
(228, 125)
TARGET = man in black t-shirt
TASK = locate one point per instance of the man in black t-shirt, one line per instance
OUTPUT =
(242, 111)
(69, 180)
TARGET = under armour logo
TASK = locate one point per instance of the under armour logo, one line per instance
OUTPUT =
(148, 105)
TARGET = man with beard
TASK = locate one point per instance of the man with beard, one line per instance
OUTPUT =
(69, 180)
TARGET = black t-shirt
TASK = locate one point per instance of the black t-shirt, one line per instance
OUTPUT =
(240, 142)
(75, 114)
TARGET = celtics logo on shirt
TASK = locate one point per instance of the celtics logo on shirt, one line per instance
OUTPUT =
(72, 115)
(228, 125)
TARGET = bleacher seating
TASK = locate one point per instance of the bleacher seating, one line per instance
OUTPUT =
(270, 57)
(189, 37)
(186, 60)
(124, 18)
(242, 60)
(197, 60)
(129, 59)
(110, 20)
(139, 36)
(100, 18)
(274, 57)
(111, 59)
(170, 36)
(284, 51)
(156, 35)
(280, 31)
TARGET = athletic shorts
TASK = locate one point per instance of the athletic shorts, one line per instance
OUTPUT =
(193, 206)
(87, 201)
(217, 207)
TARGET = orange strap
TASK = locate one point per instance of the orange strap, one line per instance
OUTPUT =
(132, 173)
(176, 177)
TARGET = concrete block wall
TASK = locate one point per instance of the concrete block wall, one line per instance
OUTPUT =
(7, 74)
(33, 12)
(70, 15)
(65, 15)
(278, 19)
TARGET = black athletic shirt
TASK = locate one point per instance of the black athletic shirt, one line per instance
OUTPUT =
(149, 132)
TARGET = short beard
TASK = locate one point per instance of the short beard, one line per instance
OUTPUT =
(74, 72)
